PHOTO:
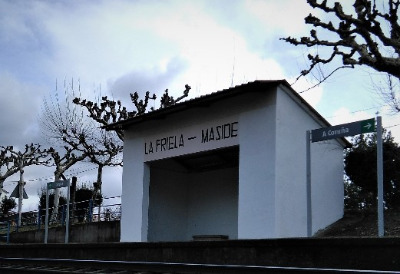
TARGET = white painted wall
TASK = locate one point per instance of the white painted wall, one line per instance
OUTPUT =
(268, 201)
(291, 124)
(135, 186)
(327, 172)
(327, 183)
(257, 172)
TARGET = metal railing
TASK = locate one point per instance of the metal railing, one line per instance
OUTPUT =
(5, 232)
(80, 212)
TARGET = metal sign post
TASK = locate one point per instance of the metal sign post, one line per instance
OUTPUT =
(379, 159)
(308, 184)
(339, 131)
(46, 220)
(54, 185)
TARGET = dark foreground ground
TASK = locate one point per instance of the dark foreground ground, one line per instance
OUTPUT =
(363, 224)
(348, 246)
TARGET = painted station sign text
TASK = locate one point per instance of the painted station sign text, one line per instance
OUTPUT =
(220, 132)
(195, 137)
(164, 144)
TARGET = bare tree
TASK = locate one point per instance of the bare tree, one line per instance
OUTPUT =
(104, 152)
(32, 155)
(76, 137)
(388, 88)
(62, 163)
(65, 130)
(109, 111)
(102, 149)
(7, 167)
(368, 35)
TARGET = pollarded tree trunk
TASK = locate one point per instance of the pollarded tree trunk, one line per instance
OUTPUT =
(21, 193)
(57, 192)
(1, 190)
(97, 189)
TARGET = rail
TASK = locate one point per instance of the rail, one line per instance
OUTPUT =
(51, 265)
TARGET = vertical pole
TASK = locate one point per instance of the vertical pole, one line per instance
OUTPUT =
(62, 220)
(46, 222)
(39, 217)
(379, 153)
(308, 183)
(17, 221)
(72, 198)
(20, 192)
(67, 217)
(8, 232)
(90, 213)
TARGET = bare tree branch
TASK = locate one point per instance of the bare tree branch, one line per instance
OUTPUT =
(32, 155)
(362, 40)
(111, 111)
(77, 137)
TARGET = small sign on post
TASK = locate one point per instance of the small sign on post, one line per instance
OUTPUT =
(54, 185)
(339, 131)
(57, 184)
(343, 130)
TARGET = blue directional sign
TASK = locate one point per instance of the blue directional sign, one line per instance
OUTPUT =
(343, 130)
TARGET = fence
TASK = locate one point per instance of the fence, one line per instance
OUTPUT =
(5, 231)
(80, 212)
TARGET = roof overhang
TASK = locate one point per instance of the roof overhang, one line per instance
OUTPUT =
(202, 101)
(207, 100)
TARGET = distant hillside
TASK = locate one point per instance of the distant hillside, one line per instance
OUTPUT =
(363, 224)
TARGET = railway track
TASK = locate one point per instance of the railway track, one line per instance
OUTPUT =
(50, 265)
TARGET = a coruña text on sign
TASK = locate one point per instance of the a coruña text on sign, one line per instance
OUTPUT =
(343, 130)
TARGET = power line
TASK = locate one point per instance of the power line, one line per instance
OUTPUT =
(392, 126)
(49, 178)
(360, 110)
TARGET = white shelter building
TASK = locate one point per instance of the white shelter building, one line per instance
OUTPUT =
(231, 163)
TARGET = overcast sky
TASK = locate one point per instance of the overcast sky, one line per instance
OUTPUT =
(121, 46)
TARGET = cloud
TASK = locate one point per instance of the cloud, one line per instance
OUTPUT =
(100, 43)
(312, 96)
(154, 79)
(344, 115)
(18, 116)
(283, 17)
(124, 46)
(104, 40)
(390, 121)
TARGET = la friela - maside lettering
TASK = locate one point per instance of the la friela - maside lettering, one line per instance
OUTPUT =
(219, 132)
(215, 133)
(164, 144)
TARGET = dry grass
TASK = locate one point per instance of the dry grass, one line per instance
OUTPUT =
(363, 224)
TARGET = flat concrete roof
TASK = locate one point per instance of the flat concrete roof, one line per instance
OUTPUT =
(205, 100)
(256, 86)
